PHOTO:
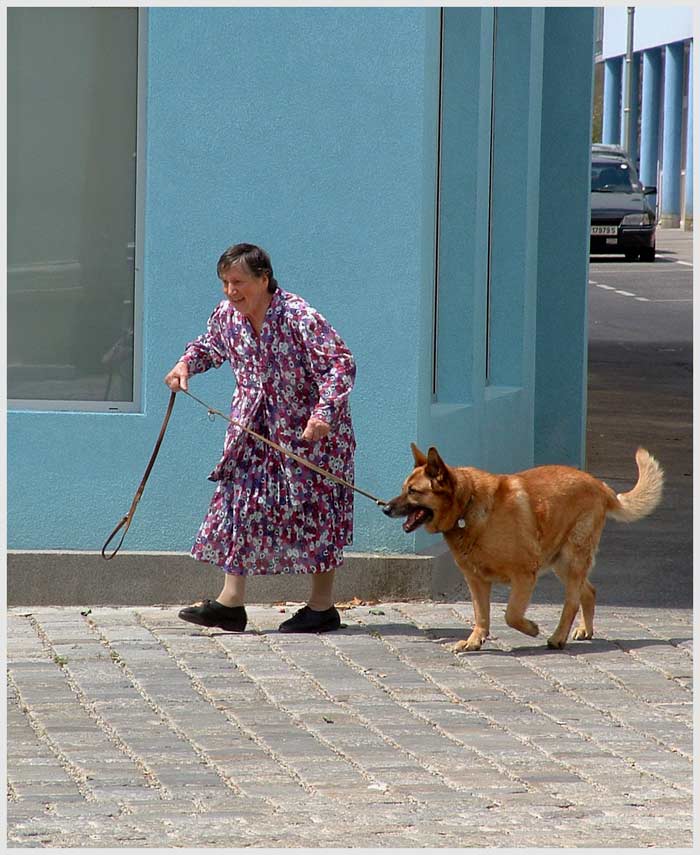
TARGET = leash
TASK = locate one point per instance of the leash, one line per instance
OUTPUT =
(125, 522)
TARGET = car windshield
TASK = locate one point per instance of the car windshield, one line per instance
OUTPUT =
(611, 177)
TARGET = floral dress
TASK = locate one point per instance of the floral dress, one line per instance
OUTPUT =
(270, 514)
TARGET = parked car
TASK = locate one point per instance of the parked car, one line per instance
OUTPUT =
(605, 148)
(622, 219)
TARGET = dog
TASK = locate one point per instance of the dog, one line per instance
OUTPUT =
(511, 528)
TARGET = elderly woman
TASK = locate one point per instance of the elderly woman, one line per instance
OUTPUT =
(270, 514)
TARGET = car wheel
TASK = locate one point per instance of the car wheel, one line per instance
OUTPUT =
(648, 254)
(631, 255)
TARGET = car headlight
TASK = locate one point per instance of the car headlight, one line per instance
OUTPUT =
(636, 219)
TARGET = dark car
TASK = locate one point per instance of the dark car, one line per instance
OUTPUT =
(622, 219)
(615, 150)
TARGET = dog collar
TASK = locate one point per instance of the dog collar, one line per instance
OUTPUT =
(462, 522)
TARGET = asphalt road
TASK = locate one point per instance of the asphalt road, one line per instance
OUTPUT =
(640, 393)
(633, 305)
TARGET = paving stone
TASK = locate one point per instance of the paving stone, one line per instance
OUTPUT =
(151, 734)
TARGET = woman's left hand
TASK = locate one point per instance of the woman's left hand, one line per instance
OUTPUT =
(315, 429)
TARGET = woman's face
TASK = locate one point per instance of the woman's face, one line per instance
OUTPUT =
(248, 293)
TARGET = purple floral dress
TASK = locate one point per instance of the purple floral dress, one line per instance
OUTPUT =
(269, 514)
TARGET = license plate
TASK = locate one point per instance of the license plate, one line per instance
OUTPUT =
(603, 230)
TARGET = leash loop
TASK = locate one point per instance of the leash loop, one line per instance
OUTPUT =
(111, 537)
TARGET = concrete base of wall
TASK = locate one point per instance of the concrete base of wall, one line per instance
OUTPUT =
(669, 221)
(148, 578)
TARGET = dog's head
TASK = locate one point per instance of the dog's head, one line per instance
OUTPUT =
(428, 495)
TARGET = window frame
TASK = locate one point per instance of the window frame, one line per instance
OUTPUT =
(135, 405)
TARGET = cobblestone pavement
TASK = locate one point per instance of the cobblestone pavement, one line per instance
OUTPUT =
(128, 728)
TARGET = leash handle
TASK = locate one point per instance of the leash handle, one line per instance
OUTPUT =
(126, 521)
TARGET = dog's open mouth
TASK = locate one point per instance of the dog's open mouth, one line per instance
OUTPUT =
(416, 518)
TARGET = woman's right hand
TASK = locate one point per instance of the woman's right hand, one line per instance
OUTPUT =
(176, 378)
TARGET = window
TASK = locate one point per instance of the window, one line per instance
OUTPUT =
(73, 300)
(607, 177)
(598, 27)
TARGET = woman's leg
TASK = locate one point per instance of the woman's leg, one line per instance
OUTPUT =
(233, 592)
(232, 618)
(321, 597)
(319, 615)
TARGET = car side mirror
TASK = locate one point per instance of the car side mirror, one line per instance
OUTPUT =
(649, 191)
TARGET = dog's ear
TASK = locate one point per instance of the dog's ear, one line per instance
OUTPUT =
(436, 469)
(418, 456)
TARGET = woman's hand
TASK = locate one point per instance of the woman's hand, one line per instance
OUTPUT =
(176, 378)
(315, 429)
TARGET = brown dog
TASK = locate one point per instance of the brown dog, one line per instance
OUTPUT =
(510, 528)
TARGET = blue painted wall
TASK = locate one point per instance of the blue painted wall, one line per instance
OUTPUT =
(306, 135)
(314, 133)
(482, 410)
(564, 222)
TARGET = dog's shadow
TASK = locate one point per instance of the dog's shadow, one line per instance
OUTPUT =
(448, 636)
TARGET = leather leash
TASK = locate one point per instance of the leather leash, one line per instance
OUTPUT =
(126, 520)
(286, 451)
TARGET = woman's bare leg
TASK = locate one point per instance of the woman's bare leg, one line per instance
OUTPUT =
(233, 592)
(321, 597)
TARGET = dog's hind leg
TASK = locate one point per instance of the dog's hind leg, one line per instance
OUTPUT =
(520, 594)
(572, 568)
(585, 628)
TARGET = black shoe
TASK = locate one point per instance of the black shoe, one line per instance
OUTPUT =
(307, 620)
(211, 613)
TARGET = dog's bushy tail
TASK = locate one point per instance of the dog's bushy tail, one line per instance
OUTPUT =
(644, 497)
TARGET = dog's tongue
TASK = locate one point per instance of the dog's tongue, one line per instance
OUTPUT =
(414, 520)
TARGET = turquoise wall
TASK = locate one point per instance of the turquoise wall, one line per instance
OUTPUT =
(482, 410)
(313, 132)
(563, 222)
(298, 129)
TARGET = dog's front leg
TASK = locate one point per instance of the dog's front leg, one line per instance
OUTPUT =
(481, 601)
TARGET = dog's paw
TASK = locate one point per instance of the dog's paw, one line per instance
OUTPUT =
(556, 643)
(580, 634)
(530, 628)
(467, 644)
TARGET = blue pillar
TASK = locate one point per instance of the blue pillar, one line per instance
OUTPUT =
(688, 213)
(633, 148)
(612, 89)
(561, 340)
(651, 100)
(671, 153)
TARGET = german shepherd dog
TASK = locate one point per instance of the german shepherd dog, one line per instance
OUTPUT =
(510, 528)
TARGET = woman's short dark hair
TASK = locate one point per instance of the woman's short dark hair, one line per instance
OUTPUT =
(254, 260)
